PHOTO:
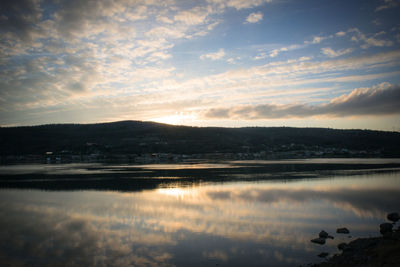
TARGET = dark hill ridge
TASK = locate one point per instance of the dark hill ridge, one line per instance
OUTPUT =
(136, 137)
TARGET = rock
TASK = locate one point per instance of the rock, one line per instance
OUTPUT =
(318, 240)
(394, 217)
(342, 246)
(331, 237)
(387, 235)
(348, 249)
(323, 234)
(343, 230)
(323, 254)
(385, 228)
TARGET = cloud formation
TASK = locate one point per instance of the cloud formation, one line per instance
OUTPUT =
(238, 4)
(214, 56)
(65, 60)
(387, 4)
(332, 53)
(254, 17)
(382, 99)
(370, 41)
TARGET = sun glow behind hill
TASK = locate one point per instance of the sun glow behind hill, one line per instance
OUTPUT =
(177, 119)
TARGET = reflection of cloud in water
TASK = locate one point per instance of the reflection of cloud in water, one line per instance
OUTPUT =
(51, 238)
(216, 254)
(235, 224)
(361, 201)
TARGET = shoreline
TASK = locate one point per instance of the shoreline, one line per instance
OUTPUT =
(370, 252)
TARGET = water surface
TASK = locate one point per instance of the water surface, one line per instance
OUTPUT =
(236, 222)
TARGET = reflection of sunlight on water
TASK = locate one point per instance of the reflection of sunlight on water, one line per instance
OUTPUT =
(174, 192)
(183, 166)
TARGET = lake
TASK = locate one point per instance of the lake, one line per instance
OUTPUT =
(243, 213)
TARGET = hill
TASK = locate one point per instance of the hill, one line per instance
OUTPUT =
(136, 137)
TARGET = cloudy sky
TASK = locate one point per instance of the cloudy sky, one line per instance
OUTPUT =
(204, 63)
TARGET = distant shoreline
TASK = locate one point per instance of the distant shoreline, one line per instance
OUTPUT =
(147, 142)
(137, 177)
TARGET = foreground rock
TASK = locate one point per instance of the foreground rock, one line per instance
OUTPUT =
(342, 246)
(369, 252)
(394, 217)
(343, 230)
(385, 228)
(323, 234)
(318, 240)
(323, 255)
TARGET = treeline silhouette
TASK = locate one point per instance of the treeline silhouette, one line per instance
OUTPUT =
(127, 137)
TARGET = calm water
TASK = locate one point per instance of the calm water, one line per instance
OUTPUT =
(256, 222)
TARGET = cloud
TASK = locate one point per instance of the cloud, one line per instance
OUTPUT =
(71, 51)
(232, 60)
(332, 53)
(254, 17)
(387, 4)
(238, 4)
(263, 55)
(18, 19)
(382, 99)
(165, 32)
(340, 34)
(275, 52)
(369, 41)
(318, 39)
(214, 56)
(194, 16)
(67, 56)
(44, 96)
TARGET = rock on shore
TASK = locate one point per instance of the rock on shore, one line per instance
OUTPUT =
(368, 252)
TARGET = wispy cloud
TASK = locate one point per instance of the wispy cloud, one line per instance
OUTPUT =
(215, 55)
(332, 53)
(387, 4)
(275, 52)
(238, 4)
(341, 33)
(318, 39)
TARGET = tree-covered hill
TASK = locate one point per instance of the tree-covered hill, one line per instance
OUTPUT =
(135, 137)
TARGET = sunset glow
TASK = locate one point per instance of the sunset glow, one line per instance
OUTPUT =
(177, 119)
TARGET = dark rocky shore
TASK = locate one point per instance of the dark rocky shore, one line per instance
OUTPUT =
(377, 251)
(369, 252)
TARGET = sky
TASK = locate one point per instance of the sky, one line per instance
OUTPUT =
(232, 63)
